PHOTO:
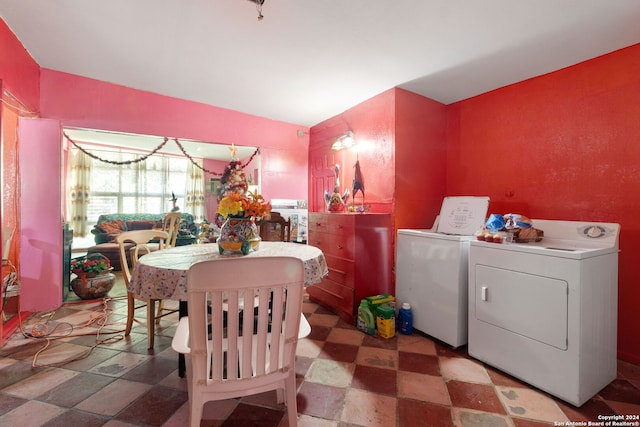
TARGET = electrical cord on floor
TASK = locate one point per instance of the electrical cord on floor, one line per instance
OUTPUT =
(40, 331)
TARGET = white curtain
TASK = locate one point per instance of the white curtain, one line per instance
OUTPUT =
(78, 191)
(195, 193)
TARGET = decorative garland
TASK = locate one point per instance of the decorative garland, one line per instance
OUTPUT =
(113, 162)
(155, 150)
(208, 171)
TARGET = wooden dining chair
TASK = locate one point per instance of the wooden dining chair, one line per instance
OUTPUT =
(128, 258)
(275, 228)
(253, 354)
(171, 224)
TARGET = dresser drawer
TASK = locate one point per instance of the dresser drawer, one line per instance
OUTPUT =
(338, 245)
(358, 251)
(341, 270)
(335, 296)
(331, 223)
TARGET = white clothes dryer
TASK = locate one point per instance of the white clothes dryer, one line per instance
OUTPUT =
(546, 312)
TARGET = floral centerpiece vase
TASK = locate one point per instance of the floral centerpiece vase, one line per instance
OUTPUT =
(238, 235)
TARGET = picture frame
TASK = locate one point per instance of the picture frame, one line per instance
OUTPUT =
(214, 185)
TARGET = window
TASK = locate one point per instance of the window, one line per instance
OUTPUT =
(142, 187)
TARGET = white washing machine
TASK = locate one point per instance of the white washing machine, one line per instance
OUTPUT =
(546, 312)
(432, 269)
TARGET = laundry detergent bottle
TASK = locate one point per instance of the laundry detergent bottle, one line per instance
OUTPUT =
(405, 319)
(366, 321)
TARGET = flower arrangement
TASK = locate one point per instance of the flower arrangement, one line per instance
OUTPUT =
(235, 201)
(240, 205)
(91, 266)
(238, 209)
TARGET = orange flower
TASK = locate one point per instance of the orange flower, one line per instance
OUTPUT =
(251, 205)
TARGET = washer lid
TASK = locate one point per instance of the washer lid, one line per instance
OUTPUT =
(430, 234)
(462, 215)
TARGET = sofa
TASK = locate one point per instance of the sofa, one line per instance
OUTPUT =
(109, 226)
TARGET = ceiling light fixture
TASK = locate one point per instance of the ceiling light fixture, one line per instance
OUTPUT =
(259, 4)
(344, 141)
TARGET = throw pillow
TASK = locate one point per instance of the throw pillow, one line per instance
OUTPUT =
(115, 226)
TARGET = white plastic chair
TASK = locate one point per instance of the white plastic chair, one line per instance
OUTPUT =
(128, 259)
(231, 363)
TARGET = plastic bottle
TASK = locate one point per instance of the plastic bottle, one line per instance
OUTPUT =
(366, 322)
(405, 317)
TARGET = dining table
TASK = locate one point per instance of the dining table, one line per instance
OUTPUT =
(163, 274)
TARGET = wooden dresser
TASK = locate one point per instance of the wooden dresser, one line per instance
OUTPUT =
(358, 250)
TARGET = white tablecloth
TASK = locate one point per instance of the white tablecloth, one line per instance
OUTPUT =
(163, 274)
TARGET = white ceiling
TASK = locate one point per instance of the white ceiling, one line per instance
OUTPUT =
(307, 61)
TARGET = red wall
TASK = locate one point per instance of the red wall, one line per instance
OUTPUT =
(561, 146)
(420, 157)
(18, 71)
(402, 154)
(372, 123)
(20, 76)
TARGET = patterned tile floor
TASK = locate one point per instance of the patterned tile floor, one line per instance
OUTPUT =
(346, 379)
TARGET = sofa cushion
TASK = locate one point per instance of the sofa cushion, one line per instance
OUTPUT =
(140, 224)
(115, 226)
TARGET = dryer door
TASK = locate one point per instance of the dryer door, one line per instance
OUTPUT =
(525, 304)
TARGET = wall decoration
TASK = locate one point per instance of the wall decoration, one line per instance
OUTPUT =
(214, 185)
